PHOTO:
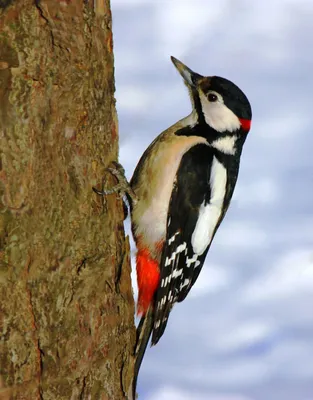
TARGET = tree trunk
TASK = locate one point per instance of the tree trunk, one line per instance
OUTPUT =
(66, 306)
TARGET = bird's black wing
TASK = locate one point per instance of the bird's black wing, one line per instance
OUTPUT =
(180, 264)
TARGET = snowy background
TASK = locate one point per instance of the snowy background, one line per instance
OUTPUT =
(246, 330)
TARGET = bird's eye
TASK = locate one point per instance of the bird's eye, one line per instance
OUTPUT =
(212, 97)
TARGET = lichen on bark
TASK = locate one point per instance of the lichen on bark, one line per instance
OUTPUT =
(66, 305)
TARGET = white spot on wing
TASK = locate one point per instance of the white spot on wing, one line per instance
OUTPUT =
(218, 115)
(176, 273)
(186, 283)
(167, 280)
(171, 240)
(192, 260)
(179, 249)
(209, 214)
(225, 144)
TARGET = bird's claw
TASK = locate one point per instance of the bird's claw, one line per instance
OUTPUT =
(123, 187)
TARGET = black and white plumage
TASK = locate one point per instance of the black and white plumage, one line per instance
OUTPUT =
(204, 185)
(184, 183)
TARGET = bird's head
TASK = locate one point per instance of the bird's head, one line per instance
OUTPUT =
(217, 101)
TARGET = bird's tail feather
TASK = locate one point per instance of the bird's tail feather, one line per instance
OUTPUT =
(144, 330)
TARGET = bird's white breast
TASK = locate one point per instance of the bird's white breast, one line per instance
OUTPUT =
(155, 185)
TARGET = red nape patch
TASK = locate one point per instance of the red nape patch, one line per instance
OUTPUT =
(245, 124)
(148, 276)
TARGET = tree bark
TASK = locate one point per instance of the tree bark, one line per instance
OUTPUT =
(66, 305)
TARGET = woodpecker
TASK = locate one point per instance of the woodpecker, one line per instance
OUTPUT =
(179, 194)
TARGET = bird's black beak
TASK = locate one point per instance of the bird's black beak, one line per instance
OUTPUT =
(191, 78)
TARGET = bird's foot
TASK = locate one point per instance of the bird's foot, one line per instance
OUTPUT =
(122, 188)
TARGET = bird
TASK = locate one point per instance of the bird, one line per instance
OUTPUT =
(179, 194)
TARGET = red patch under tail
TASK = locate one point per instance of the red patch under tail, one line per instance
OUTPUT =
(148, 277)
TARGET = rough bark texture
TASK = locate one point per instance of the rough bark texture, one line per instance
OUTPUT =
(66, 306)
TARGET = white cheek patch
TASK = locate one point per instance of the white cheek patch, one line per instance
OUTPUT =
(210, 213)
(218, 116)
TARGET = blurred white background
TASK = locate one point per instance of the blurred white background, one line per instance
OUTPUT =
(246, 330)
